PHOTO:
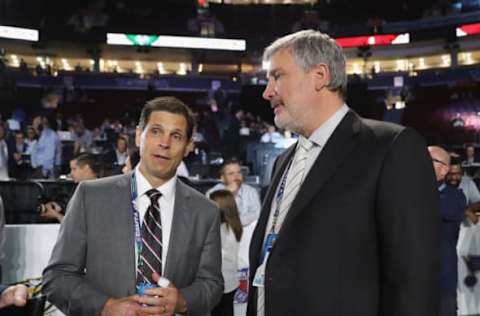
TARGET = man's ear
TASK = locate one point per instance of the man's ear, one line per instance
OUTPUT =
(138, 136)
(190, 147)
(321, 76)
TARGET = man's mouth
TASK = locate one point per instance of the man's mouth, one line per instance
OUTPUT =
(161, 157)
(277, 106)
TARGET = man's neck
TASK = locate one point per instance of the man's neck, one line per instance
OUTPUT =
(155, 182)
(324, 111)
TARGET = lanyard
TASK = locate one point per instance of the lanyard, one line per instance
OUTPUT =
(136, 220)
(272, 236)
(279, 197)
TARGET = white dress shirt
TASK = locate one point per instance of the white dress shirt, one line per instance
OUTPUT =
(166, 203)
(319, 138)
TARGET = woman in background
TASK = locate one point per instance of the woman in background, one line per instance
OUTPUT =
(231, 232)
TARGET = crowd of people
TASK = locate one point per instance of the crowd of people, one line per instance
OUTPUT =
(146, 243)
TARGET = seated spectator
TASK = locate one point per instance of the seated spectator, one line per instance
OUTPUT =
(82, 167)
(271, 136)
(246, 196)
(119, 155)
(82, 137)
(287, 140)
(230, 232)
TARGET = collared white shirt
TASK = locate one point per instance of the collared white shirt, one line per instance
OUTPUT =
(166, 203)
(319, 138)
(322, 134)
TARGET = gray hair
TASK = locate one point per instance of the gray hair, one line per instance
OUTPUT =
(310, 48)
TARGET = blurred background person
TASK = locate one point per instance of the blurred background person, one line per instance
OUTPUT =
(47, 152)
(231, 233)
(452, 212)
(82, 167)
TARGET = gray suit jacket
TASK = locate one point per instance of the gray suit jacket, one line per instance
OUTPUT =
(94, 256)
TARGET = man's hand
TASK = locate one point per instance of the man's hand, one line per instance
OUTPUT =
(14, 295)
(51, 212)
(126, 306)
(162, 301)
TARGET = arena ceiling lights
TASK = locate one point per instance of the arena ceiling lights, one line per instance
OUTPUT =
(175, 41)
(374, 40)
(18, 33)
(468, 29)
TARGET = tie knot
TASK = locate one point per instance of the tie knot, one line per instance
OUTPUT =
(154, 195)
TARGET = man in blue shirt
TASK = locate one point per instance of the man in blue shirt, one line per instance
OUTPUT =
(47, 153)
(452, 211)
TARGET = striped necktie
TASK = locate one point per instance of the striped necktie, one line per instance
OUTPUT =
(151, 256)
(295, 177)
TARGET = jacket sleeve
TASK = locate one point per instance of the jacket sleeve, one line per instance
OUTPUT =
(408, 220)
(64, 277)
(206, 290)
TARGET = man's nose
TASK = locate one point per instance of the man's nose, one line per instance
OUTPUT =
(269, 90)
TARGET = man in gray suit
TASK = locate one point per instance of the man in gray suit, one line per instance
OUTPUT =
(95, 265)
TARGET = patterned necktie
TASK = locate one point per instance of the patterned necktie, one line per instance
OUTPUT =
(294, 181)
(295, 177)
(151, 256)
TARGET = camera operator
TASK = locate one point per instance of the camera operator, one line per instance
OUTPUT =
(82, 167)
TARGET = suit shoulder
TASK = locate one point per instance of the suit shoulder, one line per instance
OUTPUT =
(201, 201)
(389, 132)
(106, 182)
(384, 129)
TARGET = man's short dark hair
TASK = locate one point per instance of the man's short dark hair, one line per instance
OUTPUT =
(167, 104)
(228, 162)
(84, 159)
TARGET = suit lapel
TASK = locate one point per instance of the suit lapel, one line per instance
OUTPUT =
(180, 230)
(337, 148)
(125, 223)
(257, 238)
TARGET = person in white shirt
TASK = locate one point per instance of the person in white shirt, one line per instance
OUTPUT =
(231, 232)
(271, 135)
(246, 196)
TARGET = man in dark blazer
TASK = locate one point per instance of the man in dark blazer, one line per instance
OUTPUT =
(350, 224)
(95, 265)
